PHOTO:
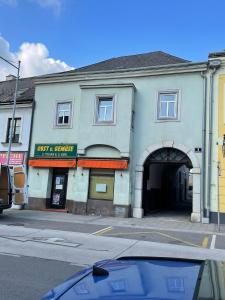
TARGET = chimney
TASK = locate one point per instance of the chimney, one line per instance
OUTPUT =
(10, 77)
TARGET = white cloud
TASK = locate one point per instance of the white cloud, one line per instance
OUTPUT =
(34, 58)
(54, 5)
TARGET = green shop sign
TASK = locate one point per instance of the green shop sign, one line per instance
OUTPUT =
(55, 150)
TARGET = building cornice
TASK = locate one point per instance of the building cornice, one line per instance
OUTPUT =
(126, 73)
(100, 86)
(18, 105)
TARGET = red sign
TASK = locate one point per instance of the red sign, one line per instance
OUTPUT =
(16, 158)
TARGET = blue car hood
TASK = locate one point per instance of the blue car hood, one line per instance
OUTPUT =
(132, 279)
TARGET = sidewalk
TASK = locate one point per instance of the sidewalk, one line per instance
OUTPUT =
(158, 221)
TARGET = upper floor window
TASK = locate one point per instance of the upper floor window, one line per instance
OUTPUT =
(63, 113)
(15, 130)
(167, 106)
(105, 107)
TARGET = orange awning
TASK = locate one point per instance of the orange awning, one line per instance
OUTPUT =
(103, 164)
(52, 163)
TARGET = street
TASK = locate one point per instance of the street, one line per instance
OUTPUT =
(24, 277)
(40, 249)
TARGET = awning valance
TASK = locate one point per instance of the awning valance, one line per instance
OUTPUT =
(103, 164)
(52, 163)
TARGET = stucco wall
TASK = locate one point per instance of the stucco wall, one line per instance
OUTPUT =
(25, 114)
(117, 134)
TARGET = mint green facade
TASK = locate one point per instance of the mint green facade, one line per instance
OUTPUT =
(134, 135)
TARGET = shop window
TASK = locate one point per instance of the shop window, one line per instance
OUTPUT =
(63, 113)
(15, 130)
(101, 185)
(105, 110)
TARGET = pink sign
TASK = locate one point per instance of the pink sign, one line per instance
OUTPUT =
(16, 158)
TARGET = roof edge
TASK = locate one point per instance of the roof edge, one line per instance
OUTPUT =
(144, 71)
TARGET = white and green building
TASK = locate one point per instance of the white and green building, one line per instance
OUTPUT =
(122, 137)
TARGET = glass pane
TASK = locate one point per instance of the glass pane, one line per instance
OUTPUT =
(105, 102)
(101, 114)
(17, 130)
(63, 106)
(66, 120)
(17, 121)
(66, 113)
(60, 114)
(107, 184)
(60, 120)
(163, 109)
(16, 138)
(171, 110)
(167, 97)
(108, 116)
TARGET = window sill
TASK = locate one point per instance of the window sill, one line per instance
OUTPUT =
(104, 124)
(6, 144)
(63, 126)
(166, 120)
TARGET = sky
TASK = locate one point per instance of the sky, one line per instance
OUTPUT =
(58, 35)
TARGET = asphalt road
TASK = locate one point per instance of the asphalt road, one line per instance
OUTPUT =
(176, 237)
(28, 278)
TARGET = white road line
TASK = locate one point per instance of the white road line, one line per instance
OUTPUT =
(102, 230)
(213, 242)
(10, 254)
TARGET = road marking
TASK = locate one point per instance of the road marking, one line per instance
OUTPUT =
(159, 233)
(213, 242)
(205, 242)
(101, 231)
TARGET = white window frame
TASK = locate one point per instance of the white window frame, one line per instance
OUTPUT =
(56, 124)
(102, 97)
(6, 130)
(177, 103)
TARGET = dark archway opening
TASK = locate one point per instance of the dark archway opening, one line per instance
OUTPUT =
(167, 182)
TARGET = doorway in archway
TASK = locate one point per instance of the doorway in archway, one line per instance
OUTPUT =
(167, 182)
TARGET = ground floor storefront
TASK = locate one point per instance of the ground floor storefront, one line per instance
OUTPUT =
(61, 180)
(18, 172)
(167, 180)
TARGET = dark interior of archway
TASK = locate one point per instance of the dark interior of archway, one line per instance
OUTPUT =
(167, 186)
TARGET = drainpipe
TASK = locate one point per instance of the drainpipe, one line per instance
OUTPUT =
(202, 199)
(214, 65)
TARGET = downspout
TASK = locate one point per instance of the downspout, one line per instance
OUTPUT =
(202, 199)
(214, 65)
(30, 135)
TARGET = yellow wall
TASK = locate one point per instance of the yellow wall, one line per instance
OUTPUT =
(221, 128)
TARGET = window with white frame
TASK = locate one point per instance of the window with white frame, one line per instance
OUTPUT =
(63, 113)
(16, 127)
(167, 106)
(105, 107)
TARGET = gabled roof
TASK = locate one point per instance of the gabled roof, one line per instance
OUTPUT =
(25, 90)
(157, 58)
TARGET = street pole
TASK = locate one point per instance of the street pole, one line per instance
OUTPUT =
(14, 106)
(13, 115)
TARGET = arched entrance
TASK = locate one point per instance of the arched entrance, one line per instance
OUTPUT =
(138, 210)
(167, 182)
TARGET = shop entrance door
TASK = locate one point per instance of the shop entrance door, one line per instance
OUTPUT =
(59, 188)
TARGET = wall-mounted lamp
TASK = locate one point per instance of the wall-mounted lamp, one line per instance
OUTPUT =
(38, 172)
(121, 174)
(223, 146)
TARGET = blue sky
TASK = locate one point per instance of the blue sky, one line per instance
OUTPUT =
(81, 32)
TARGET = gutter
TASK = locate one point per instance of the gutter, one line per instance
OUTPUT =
(202, 199)
(214, 65)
